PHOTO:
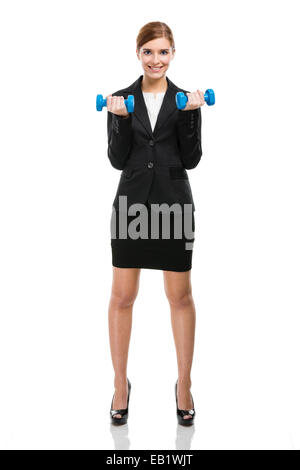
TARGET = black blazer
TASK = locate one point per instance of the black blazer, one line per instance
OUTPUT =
(154, 163)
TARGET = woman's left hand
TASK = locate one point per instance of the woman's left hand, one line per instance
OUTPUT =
(195, 100)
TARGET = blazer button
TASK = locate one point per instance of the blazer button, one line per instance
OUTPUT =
(151, 143)
(150, 164)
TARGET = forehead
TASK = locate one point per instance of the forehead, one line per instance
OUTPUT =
(159, 43)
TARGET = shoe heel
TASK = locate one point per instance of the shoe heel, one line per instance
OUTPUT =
(181, 413)
(124, 412)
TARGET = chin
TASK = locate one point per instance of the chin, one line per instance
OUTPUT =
(152, 75)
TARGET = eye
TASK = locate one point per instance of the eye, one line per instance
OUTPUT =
(166, 52)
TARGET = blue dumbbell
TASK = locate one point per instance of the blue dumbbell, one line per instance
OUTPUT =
(182, 99)
(101, 102)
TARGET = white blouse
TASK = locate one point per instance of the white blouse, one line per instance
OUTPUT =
(153, 103)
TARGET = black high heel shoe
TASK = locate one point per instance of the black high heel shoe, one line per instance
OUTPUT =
(182, 413)
(123, 412)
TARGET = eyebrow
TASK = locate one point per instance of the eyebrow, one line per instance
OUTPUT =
(147, 49)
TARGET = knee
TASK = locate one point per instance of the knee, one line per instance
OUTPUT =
(122, 300)
(180, 300)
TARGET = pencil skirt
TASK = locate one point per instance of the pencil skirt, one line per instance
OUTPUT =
(168, 253)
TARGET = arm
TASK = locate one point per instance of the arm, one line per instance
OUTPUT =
(189, 137)
(119, 133)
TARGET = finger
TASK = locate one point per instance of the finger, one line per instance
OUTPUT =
(196, 100)
(120, 102)
(117, 103)
(188, 103)
(108, 102)
(193, 100)
(201, 96)
(114, 103)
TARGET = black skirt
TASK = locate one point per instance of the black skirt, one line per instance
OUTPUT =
(170, 252)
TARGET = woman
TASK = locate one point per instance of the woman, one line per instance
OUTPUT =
(153, 146)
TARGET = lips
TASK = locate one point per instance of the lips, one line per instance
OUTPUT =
(155, 69)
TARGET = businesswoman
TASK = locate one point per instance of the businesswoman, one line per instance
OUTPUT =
(153, 146)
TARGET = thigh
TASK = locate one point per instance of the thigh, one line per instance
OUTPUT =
(125, 282)
(177, 284)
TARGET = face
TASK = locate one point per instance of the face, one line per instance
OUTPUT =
(155, 57)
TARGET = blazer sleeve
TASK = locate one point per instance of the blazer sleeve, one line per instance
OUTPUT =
(189, 137)
(119, 133)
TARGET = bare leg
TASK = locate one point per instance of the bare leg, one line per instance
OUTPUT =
(183, 318)
(125, 287)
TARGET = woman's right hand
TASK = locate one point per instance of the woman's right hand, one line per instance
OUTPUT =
(116, 105)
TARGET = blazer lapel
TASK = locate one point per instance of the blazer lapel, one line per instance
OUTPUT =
(168, 106)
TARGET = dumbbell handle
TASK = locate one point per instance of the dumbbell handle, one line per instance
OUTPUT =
(182, 99)
(102, 102)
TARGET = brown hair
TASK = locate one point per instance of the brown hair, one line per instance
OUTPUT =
(154, 30)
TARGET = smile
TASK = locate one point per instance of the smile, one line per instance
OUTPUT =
(155, 69)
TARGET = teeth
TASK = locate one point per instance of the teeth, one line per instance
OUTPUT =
(155, 68)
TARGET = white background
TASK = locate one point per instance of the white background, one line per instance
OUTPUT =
(56, 192)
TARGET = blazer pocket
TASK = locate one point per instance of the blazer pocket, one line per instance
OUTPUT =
(178, 172)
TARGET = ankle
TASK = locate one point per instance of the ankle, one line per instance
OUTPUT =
(120, 382)
(184, 382)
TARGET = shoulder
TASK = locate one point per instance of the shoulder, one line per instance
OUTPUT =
(177, 88)
(123, 91)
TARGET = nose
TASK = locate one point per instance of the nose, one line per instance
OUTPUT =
(156, 60)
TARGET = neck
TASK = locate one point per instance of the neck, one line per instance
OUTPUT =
(152, 85)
